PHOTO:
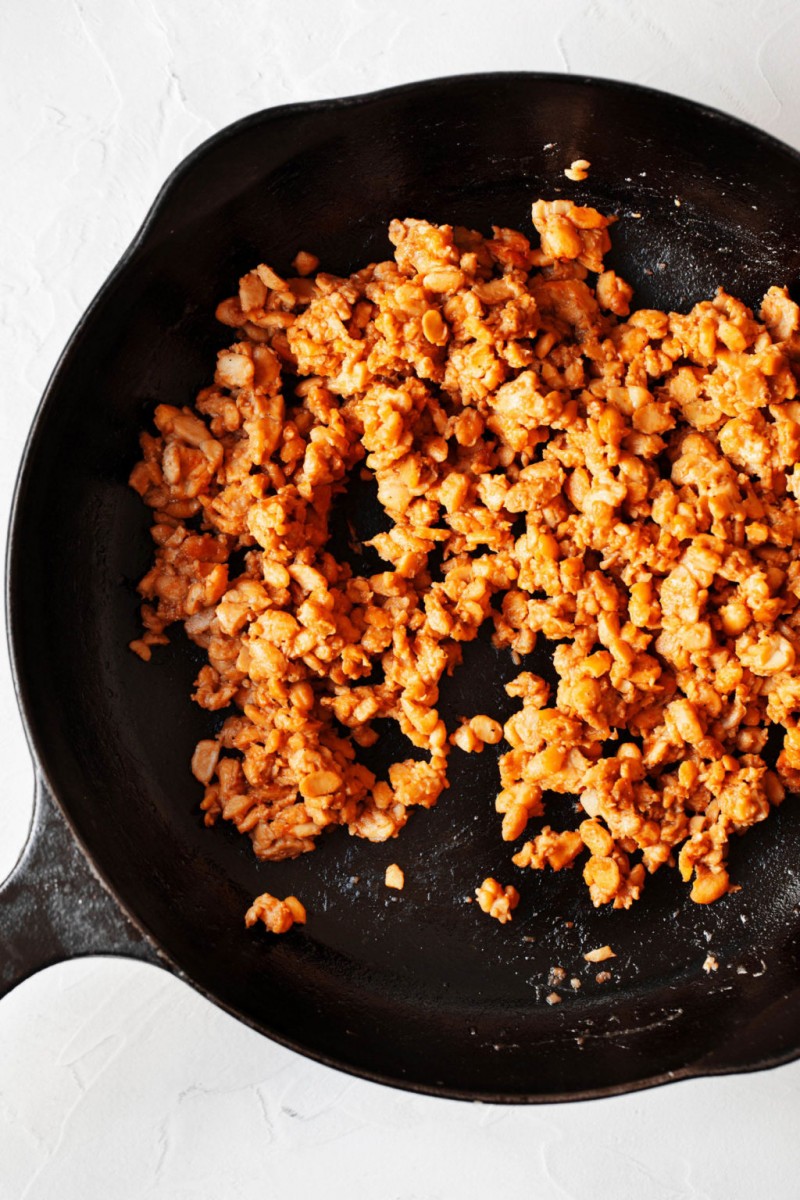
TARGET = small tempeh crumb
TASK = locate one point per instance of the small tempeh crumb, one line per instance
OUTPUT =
(600, 954)
(304, 262)
(497, 901)
(578, 170)
(278, 915)
(394, 877)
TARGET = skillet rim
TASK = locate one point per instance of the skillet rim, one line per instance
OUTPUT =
(37, 748)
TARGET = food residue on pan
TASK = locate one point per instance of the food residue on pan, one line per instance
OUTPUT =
(395, 878)
(578, 170)
(476, 733)
(498, 901)
(621, 484)
(601, 954)
(277, 915)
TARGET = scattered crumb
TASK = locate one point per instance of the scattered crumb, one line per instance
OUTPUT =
(575, 983)
(278, 915)
(553, 998)
(579, 1041)
(600, 954)
(637, 216)
(475, 733)
(528, 938)
(578, 170)
(602, 976)
(355, 879)
(549, 146)
(304, 263)
(569, 924)
(394, 877)
(710, 964)
(557, 975)
(676, 202)
(497, 901)
(466, 739)
(741, 970)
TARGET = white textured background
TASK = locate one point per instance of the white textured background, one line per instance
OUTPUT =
(115, 1080)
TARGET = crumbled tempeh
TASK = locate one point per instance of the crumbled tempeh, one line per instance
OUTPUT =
(497, 901)
(600, 954)
(394, 877)
(623, 484)
(278, 915)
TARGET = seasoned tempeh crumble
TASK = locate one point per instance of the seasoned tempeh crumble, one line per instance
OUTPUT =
(622, 483)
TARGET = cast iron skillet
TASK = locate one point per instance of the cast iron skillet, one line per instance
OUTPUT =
(416, 989)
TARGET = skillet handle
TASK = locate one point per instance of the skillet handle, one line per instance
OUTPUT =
(53, 907)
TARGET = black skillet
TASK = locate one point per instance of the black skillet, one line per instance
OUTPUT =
(417, 989)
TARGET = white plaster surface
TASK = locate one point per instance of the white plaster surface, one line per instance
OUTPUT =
(116, 1081)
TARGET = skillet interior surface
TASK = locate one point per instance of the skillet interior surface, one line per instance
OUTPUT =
(418, 988)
